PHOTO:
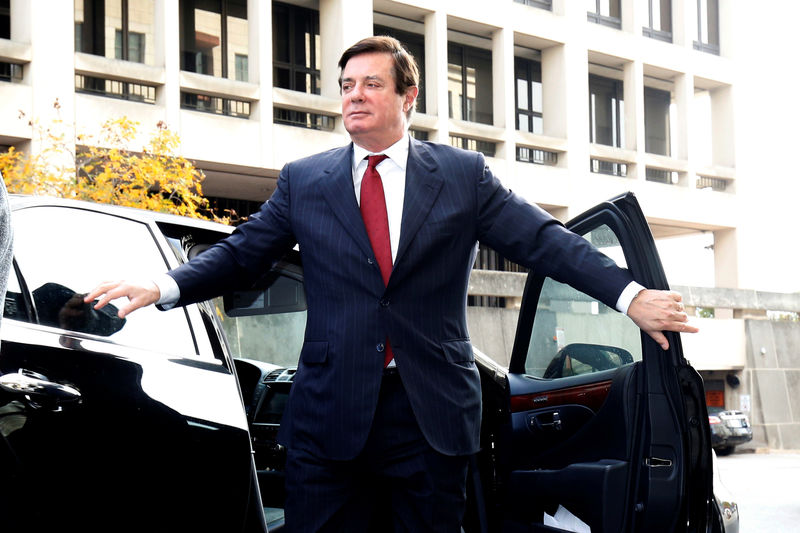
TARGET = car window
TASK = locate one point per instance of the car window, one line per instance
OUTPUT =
(267, 324)
(62, 253)
(574, 333)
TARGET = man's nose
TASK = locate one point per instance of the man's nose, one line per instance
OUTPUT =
(357, 93)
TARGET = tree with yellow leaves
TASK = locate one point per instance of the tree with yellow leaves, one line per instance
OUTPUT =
(104, 169)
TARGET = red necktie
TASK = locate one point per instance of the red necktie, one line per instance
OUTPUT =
(373, 210)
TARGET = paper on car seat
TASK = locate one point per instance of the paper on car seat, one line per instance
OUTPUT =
(567, 521)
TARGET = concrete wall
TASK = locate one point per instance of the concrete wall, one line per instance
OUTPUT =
(772, 379)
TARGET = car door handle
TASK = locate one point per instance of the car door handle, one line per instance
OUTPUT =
(37, 387)
(555, 425)
(553, 421)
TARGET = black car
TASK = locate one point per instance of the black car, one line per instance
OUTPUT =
(167, 420)
(729, 428)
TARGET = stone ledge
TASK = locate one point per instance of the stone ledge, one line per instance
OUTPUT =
(512, 285)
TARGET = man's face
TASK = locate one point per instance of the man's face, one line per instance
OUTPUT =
(374, 114)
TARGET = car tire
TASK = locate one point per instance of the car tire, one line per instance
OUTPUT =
(726, 450)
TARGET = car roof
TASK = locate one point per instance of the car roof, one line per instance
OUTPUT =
(21, 201)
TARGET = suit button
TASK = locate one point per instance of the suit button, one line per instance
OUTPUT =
(384, 302)
(380, 347)
(370, 261)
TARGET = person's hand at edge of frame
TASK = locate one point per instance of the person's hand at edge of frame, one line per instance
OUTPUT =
(139, 294)
(656, 311)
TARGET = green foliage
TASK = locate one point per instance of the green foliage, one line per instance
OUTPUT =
(705, 312)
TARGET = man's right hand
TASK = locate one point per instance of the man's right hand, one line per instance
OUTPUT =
(139, 294)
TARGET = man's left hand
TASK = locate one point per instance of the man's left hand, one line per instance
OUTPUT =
(657, 311)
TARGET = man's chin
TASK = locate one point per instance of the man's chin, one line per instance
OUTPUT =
(356, 128)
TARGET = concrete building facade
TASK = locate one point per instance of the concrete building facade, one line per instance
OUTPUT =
(571, 101)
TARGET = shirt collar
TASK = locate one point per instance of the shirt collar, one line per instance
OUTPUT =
(398, 152)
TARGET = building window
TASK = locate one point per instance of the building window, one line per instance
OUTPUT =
(415, 44)
(528, 94)
(536, 156)
(610, 168)
(419, 135)
(469, 83)
(116, 29)
(660, 22)
(301, 119)
(295, 48)
(606, 111)
(487, 148)
(242, 71)
(658, 175)
(656, 121)
(10, 72)
(707, 39)
(714, 184)
(542, 4)
(215, 104)
(123, 90)
(212, 33)
(136, 45)
(605, 12)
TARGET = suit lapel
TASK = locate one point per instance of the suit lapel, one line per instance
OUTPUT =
(423, 184)
(337, 188)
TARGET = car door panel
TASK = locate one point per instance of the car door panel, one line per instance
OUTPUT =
(600, 418)
(157, 438)
(587, 467)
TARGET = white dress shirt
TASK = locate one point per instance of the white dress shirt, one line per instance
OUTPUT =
(393, 175)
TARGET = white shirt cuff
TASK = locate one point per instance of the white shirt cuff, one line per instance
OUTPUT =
(170, 292)
(627, 296)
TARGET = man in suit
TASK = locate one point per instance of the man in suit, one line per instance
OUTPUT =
(385, 405)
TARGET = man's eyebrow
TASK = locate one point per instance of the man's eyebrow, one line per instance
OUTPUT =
(370, 77)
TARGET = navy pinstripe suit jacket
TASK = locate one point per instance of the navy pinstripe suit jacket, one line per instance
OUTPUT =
(452, 201)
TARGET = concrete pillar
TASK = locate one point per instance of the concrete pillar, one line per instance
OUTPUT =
(51, 73)
(436, 74)
(503, 91)
(565, 91)
(684, 22)
(729, 13)
(726, 259)
(342, 23)
(723, 145)
(259, 27)
(554, 92)
(633, 96)
(683, 96)
(21, 16)
(168, 55)
(635, 16)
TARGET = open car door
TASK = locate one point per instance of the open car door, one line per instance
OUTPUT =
(597, 418)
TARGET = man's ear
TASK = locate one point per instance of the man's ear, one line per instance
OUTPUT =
(410, 97)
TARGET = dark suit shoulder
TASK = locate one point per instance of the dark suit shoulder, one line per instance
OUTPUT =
(309, 170)
(332, 156)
